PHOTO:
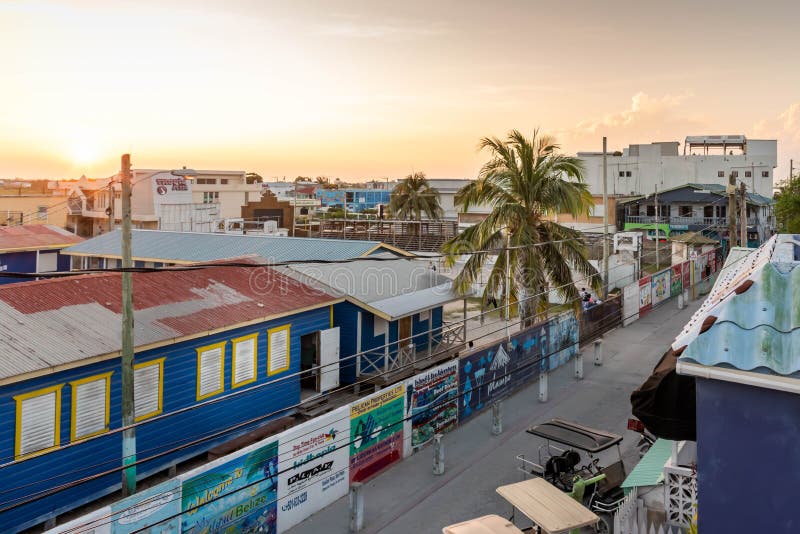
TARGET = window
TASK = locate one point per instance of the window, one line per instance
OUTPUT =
(245, 360)
(48, 262)
(684, 211)
(721, 174)
(621, 174)
(90, 399)
(765, 174)
(38, 421)
(735, 174)
(627, 174)
(278, 358)
(748, 174)
(210, 197)
(651, 211)
(206, 181)
(148, 386)
(223, 181)
(349, 196)
(41, 213)
(210, 370)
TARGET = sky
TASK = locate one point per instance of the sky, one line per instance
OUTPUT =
(373, 89)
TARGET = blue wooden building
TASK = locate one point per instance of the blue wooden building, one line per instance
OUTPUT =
(34, 248)
(216, 356)
(392, 317)
(741, 347)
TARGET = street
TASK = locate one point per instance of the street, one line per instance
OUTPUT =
(409, 498)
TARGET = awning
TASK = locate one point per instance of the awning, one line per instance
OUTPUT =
(665, 403)
(394, 308)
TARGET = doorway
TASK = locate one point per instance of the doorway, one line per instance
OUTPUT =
(404, 331)
(309, 364)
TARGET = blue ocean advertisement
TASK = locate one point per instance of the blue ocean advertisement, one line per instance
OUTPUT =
(563, 342)
(484, 377)
(155, 510)
(233, 495)
(431, 405)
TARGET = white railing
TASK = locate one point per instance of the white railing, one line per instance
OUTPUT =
(630, 518)
(386, 362)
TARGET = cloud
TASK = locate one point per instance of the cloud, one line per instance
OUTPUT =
(647, 119)
(786, 129)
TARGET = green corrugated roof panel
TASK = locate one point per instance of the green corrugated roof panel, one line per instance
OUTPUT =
(650, 469)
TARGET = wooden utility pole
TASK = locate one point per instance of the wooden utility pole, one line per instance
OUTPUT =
(110, 208)
(129, 431)
(658, 232)
(605, 222)
(743, 214)
(731, 190)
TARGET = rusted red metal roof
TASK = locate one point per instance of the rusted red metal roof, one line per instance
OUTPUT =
(35, 236)
(48, 323)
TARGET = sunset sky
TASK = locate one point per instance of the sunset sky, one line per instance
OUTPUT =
(364, 89)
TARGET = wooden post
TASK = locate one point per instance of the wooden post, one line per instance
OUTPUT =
(129, 432)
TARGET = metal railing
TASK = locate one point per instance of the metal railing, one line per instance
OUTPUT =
(702, 221)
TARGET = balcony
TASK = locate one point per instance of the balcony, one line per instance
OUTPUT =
(708, 222)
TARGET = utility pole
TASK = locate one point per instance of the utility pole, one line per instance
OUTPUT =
(605, 221)
(129, 431)
(731, 190)
(110, 210)
(743, 214)
(508, 286)
(658, 231)
(791, 171)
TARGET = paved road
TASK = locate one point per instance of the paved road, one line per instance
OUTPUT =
(408, 498)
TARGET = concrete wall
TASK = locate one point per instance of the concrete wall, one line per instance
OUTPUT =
(748, 461)
(28, 205)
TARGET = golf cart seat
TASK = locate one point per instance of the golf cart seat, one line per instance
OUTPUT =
(609, 492)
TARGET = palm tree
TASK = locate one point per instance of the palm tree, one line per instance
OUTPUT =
(524, 182)
(414, 197)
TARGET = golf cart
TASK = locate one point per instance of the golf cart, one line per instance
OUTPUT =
(569, 460)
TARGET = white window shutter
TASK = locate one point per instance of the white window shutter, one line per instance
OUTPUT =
(38, 423)
(278, 353)
(48, 262)
(146, 394)
(210, 371)
(245, 361)
(90, 407)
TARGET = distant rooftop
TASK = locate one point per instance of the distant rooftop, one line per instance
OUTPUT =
(35, 237)
(189, 247)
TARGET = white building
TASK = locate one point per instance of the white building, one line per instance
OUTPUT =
(447, 188)
(640, 168)
(160, 201)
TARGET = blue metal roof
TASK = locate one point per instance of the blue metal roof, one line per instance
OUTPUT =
(184, 247)
(754, 314)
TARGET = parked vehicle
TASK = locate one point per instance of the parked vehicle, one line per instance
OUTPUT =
(569, 460)
(646, 441)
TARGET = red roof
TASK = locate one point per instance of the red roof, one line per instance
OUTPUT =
(35, 236)
(47, 323)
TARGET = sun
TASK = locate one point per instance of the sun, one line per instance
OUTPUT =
(83, 151)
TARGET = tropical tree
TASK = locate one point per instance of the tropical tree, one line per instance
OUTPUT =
(414, 197)
(787, 207)
(524, 182)
(253, 178)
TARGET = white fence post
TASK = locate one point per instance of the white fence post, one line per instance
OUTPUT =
(543, 386)
(438, 455)
(356, 502)
(598, 351)
(497, 419)
(579, 366)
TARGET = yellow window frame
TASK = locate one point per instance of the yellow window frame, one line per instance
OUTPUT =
(160, 363)
(234, 343)
(200, 351)
(74, 407)
(270, 331)
(18, 421)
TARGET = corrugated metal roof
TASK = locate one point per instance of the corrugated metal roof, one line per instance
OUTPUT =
(753, 198)
(411, 303)
(158, 245)
(650, 469)
(51, 323)
(750, 320)
(35, 236)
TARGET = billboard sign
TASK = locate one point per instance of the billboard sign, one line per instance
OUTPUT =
(376, 432)
(431, 405)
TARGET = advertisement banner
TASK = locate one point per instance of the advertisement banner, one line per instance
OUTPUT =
(484, 377)
(563, 342)
(676, 281)
(431, 405)
(376, 432)
(645, 295)
(313, 466)
(660, 285)
(237, 493)
(528, 349)
(711, 257)
(686, 267)
(94, 523)
(156, 510)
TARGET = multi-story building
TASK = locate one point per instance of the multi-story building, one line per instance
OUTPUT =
(160, 200)
(642, 169)
(352, 199)
(33, 202)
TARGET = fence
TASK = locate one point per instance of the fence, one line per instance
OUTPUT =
(597, 320)
(630, 519)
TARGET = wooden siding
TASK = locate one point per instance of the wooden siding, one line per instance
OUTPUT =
(157, 437)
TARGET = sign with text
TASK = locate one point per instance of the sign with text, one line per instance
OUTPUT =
(484, 377)
(431, 404)
(313, 466)
(236, 494)
(155, 510)
(660, 284)
(376, 432)
(676, 280)
(564, 340)
(645, 295)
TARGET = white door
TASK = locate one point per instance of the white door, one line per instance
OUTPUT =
(329, 359)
